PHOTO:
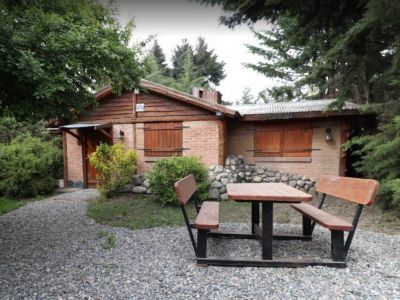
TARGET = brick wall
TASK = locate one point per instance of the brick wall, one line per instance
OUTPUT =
(202, 139)
(128, 130)
(323, 161)
(74, 158)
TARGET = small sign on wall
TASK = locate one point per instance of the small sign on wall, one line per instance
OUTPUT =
(139, 107)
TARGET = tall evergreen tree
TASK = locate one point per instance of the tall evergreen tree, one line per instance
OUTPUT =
(247, 97)
(207, 63)
(179, 56)
(190, 77)
(158, 54)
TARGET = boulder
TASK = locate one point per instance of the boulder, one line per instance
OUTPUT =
(213, 194)
(222, 190)
(128, 188)
(300, 183)
(224, 196)
(218, 169)
(216, 184)
(223, 175)
(139, 190)
(137, 180)
(257, 179)
(285, 178)
(146, 183)
(292, 183)
(270, 173)
(224, 181)
(296, 177)
(211, 168)
(211, 178)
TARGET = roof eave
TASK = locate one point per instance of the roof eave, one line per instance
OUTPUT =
(300, 115)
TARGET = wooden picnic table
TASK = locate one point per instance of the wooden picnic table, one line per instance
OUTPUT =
(267, 194)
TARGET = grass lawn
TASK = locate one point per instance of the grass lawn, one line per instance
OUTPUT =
(7, 205)
(143, 211)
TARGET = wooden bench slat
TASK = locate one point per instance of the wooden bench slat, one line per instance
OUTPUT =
(208, 217)
(323, 218)
(185, 188)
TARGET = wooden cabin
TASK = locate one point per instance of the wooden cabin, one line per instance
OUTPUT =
(158, 122)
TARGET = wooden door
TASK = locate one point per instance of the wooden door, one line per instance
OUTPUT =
(92, 140)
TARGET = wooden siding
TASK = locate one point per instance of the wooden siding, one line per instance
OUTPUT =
(161, 108)
(113, 109)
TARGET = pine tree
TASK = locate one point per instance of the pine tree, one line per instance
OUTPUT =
(247, 97)
(179, 57)
(189, 77)
(159, 56)
(207, 64)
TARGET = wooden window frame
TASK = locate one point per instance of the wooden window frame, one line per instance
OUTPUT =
(283, 147)
(163, 139)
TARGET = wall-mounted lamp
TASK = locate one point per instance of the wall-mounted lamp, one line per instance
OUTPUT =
(121, 135)
(219, 115)
(328, 135)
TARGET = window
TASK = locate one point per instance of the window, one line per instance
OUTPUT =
(163, 139)
(283, 140)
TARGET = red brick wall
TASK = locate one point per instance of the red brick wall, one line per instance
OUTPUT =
(323, 161)
(74, 158)
(202, 139)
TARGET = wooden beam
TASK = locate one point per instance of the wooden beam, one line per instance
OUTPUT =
(107, 134)
(103, 126)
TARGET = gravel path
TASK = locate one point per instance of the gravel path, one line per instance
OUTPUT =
(50, 249)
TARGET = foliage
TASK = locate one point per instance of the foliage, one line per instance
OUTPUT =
(347, 49)
(29, 166)
(247, 97)
(189, 77)
(110, 242)
(10, 128)
(159, 56)
(115, 167)
(207, 64)
(166, 172)
(54, 54)
(198, 67)
(381, 160)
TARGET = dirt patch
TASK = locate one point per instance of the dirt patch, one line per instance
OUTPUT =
(372, 218)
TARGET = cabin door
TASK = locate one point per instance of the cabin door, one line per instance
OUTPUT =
(92, 140)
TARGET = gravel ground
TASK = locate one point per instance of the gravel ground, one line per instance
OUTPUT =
(50, 249)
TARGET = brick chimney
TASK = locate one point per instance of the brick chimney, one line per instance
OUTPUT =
(206, 94)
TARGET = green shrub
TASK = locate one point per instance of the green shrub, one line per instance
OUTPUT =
(167, 171)
(29, 166)
(115, 167)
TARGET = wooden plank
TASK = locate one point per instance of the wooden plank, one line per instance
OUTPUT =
(185, 188)
(208, 217)
(174, 118)
(361, 191)
(275, 192)
(323, 218)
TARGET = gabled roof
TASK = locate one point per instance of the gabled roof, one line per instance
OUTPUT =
(303, 108)
(177, 95)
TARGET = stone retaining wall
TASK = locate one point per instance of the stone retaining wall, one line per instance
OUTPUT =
(234, 171)
(237, 171)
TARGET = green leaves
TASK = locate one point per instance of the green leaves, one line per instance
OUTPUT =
(115, 167)
(166, 172)
(55, 54)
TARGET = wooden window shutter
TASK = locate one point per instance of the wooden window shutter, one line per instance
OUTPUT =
(267, 141)
(163, 139)
(283, 140)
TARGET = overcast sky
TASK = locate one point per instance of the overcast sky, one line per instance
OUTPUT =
(174, 20)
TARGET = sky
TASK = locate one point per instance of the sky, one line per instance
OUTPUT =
(173, 20)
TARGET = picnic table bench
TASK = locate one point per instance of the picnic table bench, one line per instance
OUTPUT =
(360, 191)
(355, 190)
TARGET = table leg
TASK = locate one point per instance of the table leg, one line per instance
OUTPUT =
(267, 230)
(255, 215)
